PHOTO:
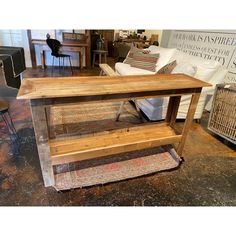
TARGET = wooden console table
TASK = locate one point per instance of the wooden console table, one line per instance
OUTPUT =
(47, 92)
(66, 47)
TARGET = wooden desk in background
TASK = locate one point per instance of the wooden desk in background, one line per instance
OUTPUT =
(66, 47)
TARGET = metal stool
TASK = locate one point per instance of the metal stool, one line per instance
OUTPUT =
(4, 112)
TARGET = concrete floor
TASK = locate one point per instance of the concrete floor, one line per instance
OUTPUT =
(206, 178)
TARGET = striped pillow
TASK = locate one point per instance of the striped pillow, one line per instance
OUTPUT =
(142, 59)
(167, 69)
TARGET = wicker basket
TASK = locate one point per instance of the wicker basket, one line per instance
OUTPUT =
(222, 119)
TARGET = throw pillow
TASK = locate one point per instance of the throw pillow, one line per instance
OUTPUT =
(185, 68)
(205, 68)
(141, 59)
(131, 52)
(165, 55)
(167, 69)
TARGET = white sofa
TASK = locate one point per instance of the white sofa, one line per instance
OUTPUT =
(206, 70)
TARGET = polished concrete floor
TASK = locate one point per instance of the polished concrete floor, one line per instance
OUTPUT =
(207, 177)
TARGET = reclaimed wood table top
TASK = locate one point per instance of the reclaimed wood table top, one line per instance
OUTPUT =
(58, 87)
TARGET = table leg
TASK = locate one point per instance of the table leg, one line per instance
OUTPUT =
(41, 136)
(43, 62)
(100, 58)
(188, 121)
(172, 110)
(94, 59)
(49, 119)
(169, 109)
(87, 57)
(81, 60)
(105, 57)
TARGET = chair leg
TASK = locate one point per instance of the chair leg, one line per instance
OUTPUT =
(63, 64)
(11, 123)
(71, 66)
(138, 111)
(10, 126)
(120, 110)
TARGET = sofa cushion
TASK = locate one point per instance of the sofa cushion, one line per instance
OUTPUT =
(165, 55)
(185, 68)
(141, 59)
(219, 76)
(153, 112)
(205, 68)
(126, 69)
(167, 69)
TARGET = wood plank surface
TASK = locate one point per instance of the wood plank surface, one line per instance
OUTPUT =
(188, 121)
(41, 135)
(113, 142)
(56, 87)
(107, 70)
(172, 110)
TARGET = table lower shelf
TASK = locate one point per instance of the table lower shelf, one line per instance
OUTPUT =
(112, 142)
(165, 158)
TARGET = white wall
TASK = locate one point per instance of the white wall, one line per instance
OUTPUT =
(16, 38)
(216, 45)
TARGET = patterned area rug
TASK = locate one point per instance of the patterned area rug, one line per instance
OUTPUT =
(93, 119)
(122, 167)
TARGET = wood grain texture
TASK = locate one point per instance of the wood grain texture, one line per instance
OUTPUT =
(175, 110)
(41, 136)
(188, 121)
(107, 70)
(57, 87)
(113, 142)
